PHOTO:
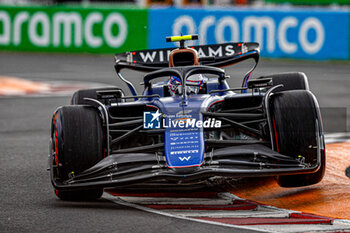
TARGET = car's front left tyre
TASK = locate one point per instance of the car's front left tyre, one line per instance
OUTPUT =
(76, 145)
(298, 133)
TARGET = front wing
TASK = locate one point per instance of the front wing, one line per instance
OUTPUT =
(127, 169)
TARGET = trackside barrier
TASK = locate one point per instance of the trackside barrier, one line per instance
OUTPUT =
(310, 2)
(72, 29)
(308, 33)
(298, 33)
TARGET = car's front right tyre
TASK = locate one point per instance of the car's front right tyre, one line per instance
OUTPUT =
(76, 145)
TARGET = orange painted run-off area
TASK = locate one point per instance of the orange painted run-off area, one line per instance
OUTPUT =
(330, 197)
(17, 86)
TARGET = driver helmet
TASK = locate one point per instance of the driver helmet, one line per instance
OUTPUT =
(194, 84)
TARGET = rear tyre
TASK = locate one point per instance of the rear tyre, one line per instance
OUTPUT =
(78, 96)
(76, 144)
(295, 117)
(290, 81)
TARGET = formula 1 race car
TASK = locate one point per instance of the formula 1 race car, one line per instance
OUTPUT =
(188, 126)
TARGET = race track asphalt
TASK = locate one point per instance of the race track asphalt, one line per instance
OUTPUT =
(27, 201)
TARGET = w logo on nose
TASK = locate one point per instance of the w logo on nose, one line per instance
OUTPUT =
(184, 158)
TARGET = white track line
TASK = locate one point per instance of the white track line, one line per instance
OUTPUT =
(337, 225)
(177, 200)
(119, 201)
(262, 213)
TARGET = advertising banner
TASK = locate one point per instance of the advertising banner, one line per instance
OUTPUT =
(318, 35)
(321, 34)
(73, 29)
(310, 2)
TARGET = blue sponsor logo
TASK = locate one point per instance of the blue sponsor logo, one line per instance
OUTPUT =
(151, 120)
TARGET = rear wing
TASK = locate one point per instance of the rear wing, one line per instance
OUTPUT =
(217, 55)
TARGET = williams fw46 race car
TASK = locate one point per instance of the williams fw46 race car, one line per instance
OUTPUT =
(188, 126)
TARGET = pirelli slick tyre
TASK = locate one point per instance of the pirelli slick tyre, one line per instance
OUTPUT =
(76, 145)
(290, 81)
(297, 128)
(78, 96)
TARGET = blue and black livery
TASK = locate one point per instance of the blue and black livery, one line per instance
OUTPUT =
(270, 126)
